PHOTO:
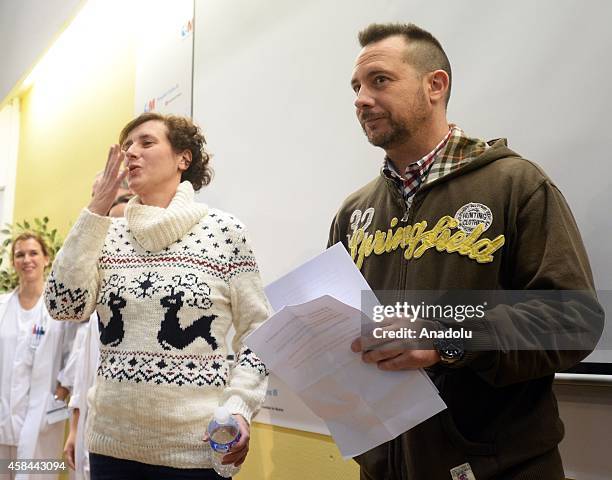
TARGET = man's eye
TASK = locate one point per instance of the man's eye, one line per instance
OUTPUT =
(356, 89)
(380, 80)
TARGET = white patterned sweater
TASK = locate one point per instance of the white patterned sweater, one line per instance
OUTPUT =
(167, 284)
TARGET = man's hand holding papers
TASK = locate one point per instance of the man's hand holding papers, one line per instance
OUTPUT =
(390, 347)
(306, 343)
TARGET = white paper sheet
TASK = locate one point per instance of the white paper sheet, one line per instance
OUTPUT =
(307, 345)
(330, 273)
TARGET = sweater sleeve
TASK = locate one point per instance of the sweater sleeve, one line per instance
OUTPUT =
(67, 376)
(547, 254)
(72, 288)
(246, 390)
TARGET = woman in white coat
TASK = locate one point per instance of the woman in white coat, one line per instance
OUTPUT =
(33, 350)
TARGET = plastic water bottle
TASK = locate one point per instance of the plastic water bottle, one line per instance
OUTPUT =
(224, 432)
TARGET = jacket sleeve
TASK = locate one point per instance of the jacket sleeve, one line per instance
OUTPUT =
(246, 390)
(337, 231)
(72, 288)
(334, 236)
(550, 332)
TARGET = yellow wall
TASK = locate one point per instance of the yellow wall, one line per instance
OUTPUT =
(83, 94)
(283, 454)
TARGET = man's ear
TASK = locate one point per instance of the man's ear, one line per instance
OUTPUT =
(185, 160)
(438, 82)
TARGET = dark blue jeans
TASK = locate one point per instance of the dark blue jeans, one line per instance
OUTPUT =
(111, 468)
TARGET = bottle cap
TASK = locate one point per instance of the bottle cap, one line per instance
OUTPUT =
(222, 415)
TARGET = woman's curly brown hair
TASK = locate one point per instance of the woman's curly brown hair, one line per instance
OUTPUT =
(183, 135)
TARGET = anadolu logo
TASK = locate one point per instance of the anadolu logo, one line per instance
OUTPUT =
(473, 214)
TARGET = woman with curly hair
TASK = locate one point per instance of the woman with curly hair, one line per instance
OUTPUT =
(167, 282)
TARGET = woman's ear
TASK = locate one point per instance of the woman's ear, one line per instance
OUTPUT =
(185, 160)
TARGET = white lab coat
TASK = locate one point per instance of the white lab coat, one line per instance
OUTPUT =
(38, 438)
(87, 357)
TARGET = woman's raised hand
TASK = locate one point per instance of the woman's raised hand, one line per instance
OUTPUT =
(105, 189)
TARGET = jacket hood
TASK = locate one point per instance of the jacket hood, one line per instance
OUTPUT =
(498, 150)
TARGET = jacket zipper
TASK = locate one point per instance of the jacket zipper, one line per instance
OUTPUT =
(403, 274)
(407, 219)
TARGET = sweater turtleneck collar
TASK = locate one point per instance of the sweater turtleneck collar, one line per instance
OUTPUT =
(154, 228)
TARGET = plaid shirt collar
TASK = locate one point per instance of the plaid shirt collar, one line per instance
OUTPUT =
(453, 152)
(458, 152)
(416, 172)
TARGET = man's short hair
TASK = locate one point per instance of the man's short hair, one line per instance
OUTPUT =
(183, 134)
(426, 53)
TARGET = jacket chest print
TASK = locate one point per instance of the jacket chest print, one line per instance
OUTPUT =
(415, 240)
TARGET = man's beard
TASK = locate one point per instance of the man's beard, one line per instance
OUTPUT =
(394, 133)
(399, 131)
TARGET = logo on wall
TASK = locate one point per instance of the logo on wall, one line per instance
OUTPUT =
(150, 105)
(473, 214)
(187, 28)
